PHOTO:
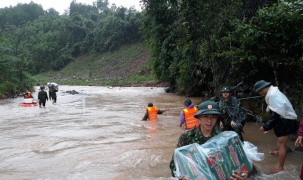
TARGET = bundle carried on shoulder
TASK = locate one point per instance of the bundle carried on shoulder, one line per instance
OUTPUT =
(53, 86)
(216, 159)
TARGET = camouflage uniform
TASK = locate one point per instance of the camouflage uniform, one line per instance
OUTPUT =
(193, 136)
(232, 110)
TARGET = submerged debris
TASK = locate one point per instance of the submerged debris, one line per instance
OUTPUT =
(72, 92)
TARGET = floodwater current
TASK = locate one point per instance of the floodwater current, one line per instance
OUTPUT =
(98, 134)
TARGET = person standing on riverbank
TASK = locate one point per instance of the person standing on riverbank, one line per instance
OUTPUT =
(187, 115)
(152, 112)
(282, 118)
(299, 142)
(42, 97)
(234, 116)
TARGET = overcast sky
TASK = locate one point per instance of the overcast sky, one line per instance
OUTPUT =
(61, 5)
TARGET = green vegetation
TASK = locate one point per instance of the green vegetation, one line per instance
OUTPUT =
(200, 46)
(194, 46)
(34, 41)
(126, 66)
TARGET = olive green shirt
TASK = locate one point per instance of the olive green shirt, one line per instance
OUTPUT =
(189, 137)
(42, 95)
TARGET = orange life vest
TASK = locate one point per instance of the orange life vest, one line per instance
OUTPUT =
(28, 95)
(152, 113)
(190, 120)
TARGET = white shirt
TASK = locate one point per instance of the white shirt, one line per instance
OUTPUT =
(279, 103)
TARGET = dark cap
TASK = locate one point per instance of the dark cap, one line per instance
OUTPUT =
(226, 89)
(150, 104)
(208, 107)
(187, 102)
(259, 85)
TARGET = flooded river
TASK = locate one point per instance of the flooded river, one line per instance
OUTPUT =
(98, 134)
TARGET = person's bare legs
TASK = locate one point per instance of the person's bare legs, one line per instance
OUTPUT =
(282, 154)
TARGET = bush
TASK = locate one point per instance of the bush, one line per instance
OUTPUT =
(7, 89)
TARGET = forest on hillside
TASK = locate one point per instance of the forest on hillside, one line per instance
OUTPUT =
(197, 46)
(34, 40)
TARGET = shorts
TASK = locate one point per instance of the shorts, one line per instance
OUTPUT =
(285, 127)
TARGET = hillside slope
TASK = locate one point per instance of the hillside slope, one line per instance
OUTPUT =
(127, 66)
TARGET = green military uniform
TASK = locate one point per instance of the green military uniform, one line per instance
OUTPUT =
(53, 95)
(233, 111)
(193, 136)
(42, 97)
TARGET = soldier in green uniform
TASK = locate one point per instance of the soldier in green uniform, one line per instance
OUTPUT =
(208, 113)
(234, 116)
(42, 97)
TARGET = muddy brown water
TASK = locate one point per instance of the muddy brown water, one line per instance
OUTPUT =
(98, 134)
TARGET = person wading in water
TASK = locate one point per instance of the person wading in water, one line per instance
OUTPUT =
(152, 112)
(234, 116)
(282, 118)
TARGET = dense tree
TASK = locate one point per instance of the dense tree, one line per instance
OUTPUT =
(160, 31)
(83, 9)
(272, 43)
(197, 46)
(20, 14)
(207, 51)
(34, 41)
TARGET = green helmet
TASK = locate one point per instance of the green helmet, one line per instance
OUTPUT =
(208, 107)
(259, 85)
(187, 102)
(226, 89)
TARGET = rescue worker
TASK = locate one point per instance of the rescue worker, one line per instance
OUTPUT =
(53, 95)
(152, 112)
(50, 94)
(28, 95)
(187, 115)
(234, 116)
(208, 113)
(42, 97)
(282, 118)
(53, 88)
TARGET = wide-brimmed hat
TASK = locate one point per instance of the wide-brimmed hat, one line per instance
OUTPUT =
(208, 107)
(259, 85)
(226, 89)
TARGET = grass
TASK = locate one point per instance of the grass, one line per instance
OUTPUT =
(126, 67)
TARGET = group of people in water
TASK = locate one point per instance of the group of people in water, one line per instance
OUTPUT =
(43, 96)
(210, 118)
